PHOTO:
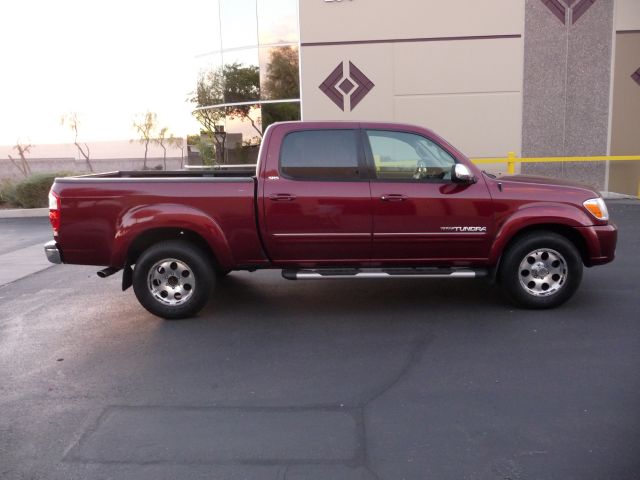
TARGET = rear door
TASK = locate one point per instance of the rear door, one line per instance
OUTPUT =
(316, 197)
(420, 216)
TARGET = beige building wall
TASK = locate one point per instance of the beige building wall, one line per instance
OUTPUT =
(349, 20)
(624, 177)
(627, 15)
(469, 91)
(455, 67)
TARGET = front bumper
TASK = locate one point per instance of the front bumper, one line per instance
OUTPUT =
(601, 243)
(52, 252)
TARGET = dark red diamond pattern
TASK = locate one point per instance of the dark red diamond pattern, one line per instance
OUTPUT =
(580, 9)
(364, 85)
(338, 85)
(346, 86)
(577, 8)
(557, 8)
(329, 87)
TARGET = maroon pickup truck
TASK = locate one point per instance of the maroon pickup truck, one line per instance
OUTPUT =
(332, 200)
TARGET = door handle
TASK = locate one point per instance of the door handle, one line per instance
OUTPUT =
(282, 197)
(393, 197)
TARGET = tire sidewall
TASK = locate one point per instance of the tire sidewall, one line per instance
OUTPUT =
(200, 266)
(510, 269)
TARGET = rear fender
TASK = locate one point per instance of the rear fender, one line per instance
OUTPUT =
(141, 219)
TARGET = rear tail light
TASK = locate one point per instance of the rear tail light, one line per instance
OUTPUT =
(54, 211)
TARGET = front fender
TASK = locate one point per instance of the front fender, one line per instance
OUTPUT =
(533, 214)
(138, 220)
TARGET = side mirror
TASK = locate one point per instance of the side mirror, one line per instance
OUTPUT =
(461, 174)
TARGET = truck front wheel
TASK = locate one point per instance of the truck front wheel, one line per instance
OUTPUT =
(173, 279)
(541, 270)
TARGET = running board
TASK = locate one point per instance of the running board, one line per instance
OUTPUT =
(364, 273)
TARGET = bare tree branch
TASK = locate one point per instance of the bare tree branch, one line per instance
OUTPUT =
(23, 165)
(17, 165)
(145, 127)
(71, 119)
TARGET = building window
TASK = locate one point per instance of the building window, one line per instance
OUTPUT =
(278, 22)
(238, 23)
(252, 79)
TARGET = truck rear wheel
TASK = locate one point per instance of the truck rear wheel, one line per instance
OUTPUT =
(173, 279)
(541, 270)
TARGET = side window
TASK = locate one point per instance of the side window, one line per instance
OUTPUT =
(320, 155)
(406, 156)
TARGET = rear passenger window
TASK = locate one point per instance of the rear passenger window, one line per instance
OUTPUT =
(320, 155)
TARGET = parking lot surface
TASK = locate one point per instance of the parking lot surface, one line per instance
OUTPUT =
(21, 253)
(391, 379)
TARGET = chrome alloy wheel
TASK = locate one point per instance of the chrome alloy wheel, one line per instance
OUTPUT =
(543, 272)
(171, 282)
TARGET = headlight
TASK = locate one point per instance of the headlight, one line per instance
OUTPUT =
(597, 208)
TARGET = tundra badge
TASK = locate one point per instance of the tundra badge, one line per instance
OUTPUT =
(463, 229)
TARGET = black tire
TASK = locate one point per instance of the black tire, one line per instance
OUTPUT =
(173, 279)
(541, 270)
(222, 274)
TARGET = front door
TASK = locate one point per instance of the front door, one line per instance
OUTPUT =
(419, 215)
(318, 208)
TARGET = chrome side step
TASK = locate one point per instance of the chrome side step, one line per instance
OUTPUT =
(365, 273)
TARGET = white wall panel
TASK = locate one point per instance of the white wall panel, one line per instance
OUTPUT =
(468, 90)
(375, 61)
(480, 125)
(349, 20)
(627, 15)
(458, 66)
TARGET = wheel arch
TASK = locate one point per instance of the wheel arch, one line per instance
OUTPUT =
(569, 232)
(141, 227)
(156, 235)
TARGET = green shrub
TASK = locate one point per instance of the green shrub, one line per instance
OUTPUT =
(32, 192)
(7, 192)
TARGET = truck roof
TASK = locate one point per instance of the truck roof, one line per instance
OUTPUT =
(356, 124)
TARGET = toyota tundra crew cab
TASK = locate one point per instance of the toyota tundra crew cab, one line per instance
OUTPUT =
(332, 200)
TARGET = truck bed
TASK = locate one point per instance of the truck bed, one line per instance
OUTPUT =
(103, 214)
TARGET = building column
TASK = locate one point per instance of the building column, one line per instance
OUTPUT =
(567, 75)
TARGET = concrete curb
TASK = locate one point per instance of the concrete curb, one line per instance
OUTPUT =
(24, 213)
(617, 196)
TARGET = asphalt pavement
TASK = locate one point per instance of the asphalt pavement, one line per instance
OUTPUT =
(21, 247)
(371, 379)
